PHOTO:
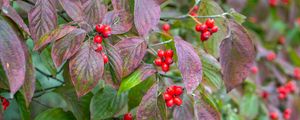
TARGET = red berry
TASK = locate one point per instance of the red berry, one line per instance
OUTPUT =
(265, 95)
(98, 39)
(287, 113)
(271, 56)
(166, 27)
(158, 61)
(169, 53)
(281, 40)
(273, 3)
(105, 58)
(170, 91)
(107, 28)
(205, 36)
(203, 28)
(99, 48)
(285, 1)
(167, 96)
(210, 23)
(170, 103)
(281, 90)
(160, 53)
(106, 34)
(195, 8)
(290, 87)
(178, 90)
(254, 69)
(168, 60)
(193, 14)
(127, 116)
(177, 101)
(165, 67)
(5, 102)
(273, 115)
(100, 28)
(214, 29)
(282, 96)
(198, 27)
(297, 73)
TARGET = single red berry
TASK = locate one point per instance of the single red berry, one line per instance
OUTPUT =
(210, 23)
(100, 28)
(170, 103)
(178, 90)
(273, 115)
(265, 95)
(297, 73)
(290, 87)
(198, 27)
(5, 102)
(168, 60)
(158, 61)
(165, 67)
(214, 29)
(166, 27)
(127, 116)
(99, 48)
(273, 3)
(193, 13)
(160, 53)
(195, 8)
(169, 53)
(205, 36)
(106, 34)
(170, 91)
(271, 56)
(105, 58)
(107, 28)
(282, 96)
(287, 116)
(281, 40)
(98, 39)
(177, 101)
(282, 90)
(203, 28)
(285, 1)
(167, 97)
(287, 113)
(254, 69)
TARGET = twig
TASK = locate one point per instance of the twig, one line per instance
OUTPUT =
(41, 103)
(172, 77)
(49, 76)
(50, 88)
(161, 43)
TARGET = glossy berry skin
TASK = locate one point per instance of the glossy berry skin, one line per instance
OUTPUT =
(214, 29)
(198, 27)
(205, 36)
(167, 96)
(105, 58)
(170, 91)
(281, 96)
(265, 95)
(290, 87)
(210, 23)
(177, 101)
(287, 113)
(254, 69)
(273, 116)
(273, 3)
(161, 53)
(170, 103)
(193, 14)
(106, 34)
(98, 39)
(5, 102)
(178, 91)
(168, 60)
(203, 28)
(100, 28)
(166, 27)
(271, 56)
(158, 61)
(169, 53)
(165, 67)
(127, 116)
(297, 73)
(107, 28)
(99, 48)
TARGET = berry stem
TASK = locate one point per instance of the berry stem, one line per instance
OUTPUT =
(49, 76)
(161, 43)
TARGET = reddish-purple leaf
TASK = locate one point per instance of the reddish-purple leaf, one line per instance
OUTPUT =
(67, 46)
(120, 21)
(115, 61)
(237, 54)
(205, 111)
(146, 15)
(186, 110)
(12, 14)
(120, 4)
(132, 51)
(12, 56)
(148, 108)
(52, 36)
(24, 6)
(73, 8)
(42, 19)
(189, 64)
(93, 11)
(86, 69)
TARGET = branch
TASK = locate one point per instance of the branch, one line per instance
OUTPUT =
(49, 76)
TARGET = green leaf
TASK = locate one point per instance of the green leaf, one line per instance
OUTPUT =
(106, 103)
(136, 77)
(239, 18)
(25, 113)
(55, 114)
(46, 59)
(249, 106)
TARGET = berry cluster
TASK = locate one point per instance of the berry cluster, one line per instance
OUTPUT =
(166, 27)
(297, 73)
(271, 56)
(207, 29)
(164, 59)
(284, 90)
(172, 96)
(5, 102)
(127, 116)
(104, 31)
(287, 113)
(194, 11)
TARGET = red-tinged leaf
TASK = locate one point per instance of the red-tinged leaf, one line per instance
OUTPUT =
(205, 111)
(12, 14)
(73, 8)
(186, 110)
(93, 11)
(115, 61)
(86, 69)
(120, 4)
(237, 53)
(132, 51)
(189, 64)
(67, 46)
(24, 6)
(148, 108)
(42, 19)
(12, 56)
(54, 35)
(120, 21)
(146, 15)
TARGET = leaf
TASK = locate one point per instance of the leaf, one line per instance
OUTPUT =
(115, 61)
(207, 8)
(249, 106)
(132, 51)
(186, 110)
(237, 53)
(22, 105)
(189, 64)
(120, 4)
(53, 35)
(12, 14)
(73, 8)
(86, 69)
(55, 114)
(239, 18)
(42, 19)
(205, 111)
(146, 15)
(47, 61)
(106, 103)
(93, 11)
(142, 73)
(148, 108)
(12, 56)
(67, 46)
(120, 21)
